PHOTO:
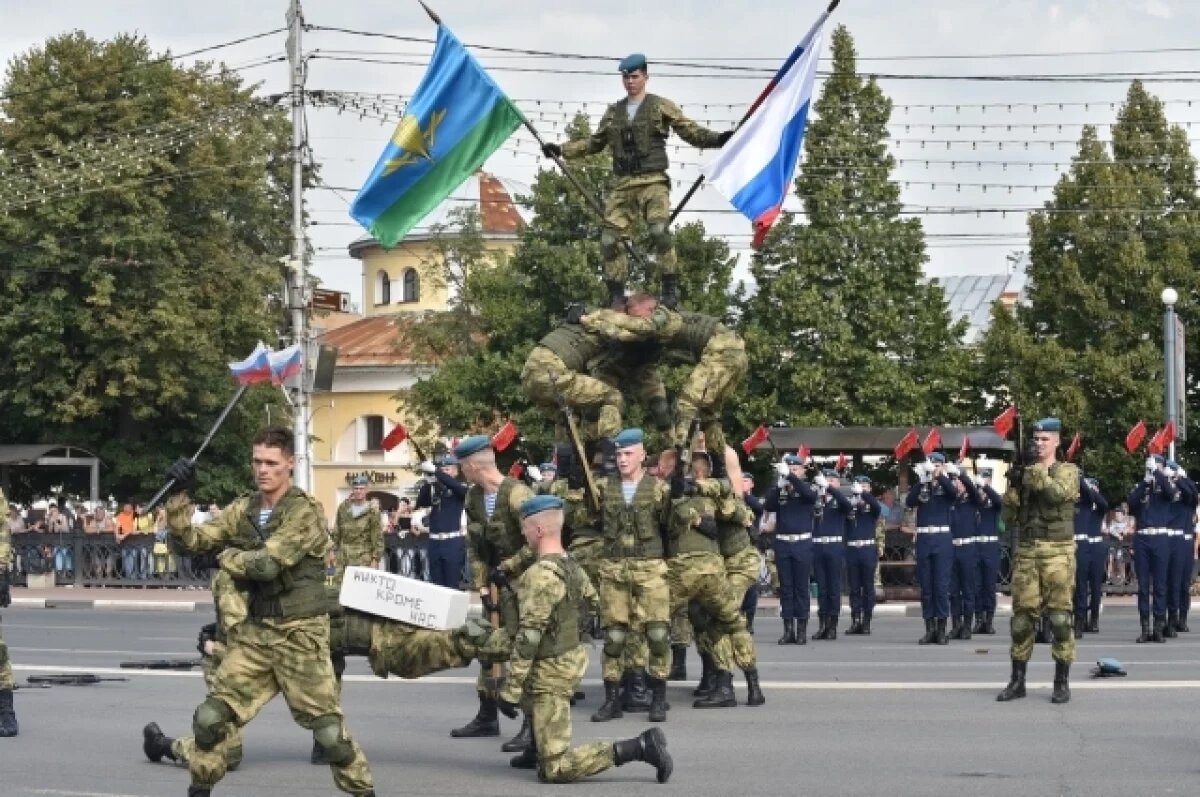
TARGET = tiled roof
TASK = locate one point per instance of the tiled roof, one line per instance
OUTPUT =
(372, 341)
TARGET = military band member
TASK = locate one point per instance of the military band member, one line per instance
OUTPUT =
(933, 498)
(443, 494)
(862, 554)
(989, 503)
(793, 501)
(1151, 504)
(1089, 575)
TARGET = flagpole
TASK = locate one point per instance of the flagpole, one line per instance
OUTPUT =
(753, 107)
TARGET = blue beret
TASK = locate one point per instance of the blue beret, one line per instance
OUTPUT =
(447, 459)
(540, 503)
(862, 479)
(472, 445)
(359, 481)
(545, 466)
(629, 437)
(1172, 463)
(829, 473)
(937, 457)
(792, 459)
(632, 62)
(1048, 425)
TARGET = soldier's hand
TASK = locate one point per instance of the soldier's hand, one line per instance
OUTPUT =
(708, 527)
(207, 635)
(498, 576)
(782, 469)
(489, 607)
(677, 484)
(508, 708)
(552, 150)
(952, 469)
(428, 468)
(534, 473)
(723, 138)
(575, 313)
(183, 472)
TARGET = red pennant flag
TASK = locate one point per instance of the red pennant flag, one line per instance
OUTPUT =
(1135, 437)
(907, 444)
(965, 449)
(841, 461)
(516, 470)
(1158, 443)
(933, 441)
(1073, 449)
(804, 452)
(394, 438)
(1005, 420)
(504, 438)
(1169, 433)
(756, 438)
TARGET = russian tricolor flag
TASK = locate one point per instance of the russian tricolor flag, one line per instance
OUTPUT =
(754, 169)
(285, 363)
(255, 368)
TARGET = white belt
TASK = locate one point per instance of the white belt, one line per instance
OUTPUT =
(1153, 532)
(988, 539)
(793, 537)
(933, 530)
(826, 540)
(1081, 538)
(859, 543)
(1188, 537)
(960, 541)
(1174, 532)
(1095, 540)
(449, 535)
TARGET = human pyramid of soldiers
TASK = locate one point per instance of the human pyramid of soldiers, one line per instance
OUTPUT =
(646, 558)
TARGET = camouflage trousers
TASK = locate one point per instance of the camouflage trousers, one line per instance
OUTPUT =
(265, 659)
(623, 208)
(580, 391)
(700, 577)
(230, 745)
(741, 573)
(587, 552)
(6, 678)
(708, 386)
(547, 702)
(1043, 581)
(635, 599)
(411, 652)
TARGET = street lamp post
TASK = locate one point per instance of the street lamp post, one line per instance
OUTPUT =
(1169, 297)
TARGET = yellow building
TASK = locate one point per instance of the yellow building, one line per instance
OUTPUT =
(350, 421)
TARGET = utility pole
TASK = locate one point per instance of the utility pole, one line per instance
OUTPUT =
(297, 293)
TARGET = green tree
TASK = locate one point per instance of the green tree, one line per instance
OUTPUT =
(150, 263)
(842, 328)
(1123, 224)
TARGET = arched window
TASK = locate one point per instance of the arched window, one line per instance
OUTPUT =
(383, 288)
(412, 286)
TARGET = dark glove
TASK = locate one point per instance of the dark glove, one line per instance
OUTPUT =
(1030, 454)
(510, 710)
(689, 486)
(552, 150)
(489, 607)
(678, 484)
(5, 589)
(575, 312)
(708, 527)
(208, 633)
(723, 138)
(183, 472)
(498, 576)
(205, 561)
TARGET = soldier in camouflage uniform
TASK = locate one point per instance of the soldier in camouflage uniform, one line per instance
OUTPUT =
(1040, 505)
(497, 552)
(717, 351)
(635, 131)
(274, 545)
(357, 531)
(8, 716)
(549, 660)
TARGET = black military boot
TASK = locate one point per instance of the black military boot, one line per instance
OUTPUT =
(722, 695)
(1145, 636)
(978, 628)
(865, 626)
(942, 639)
(831, 626)
(1080, 623)
(822, 628)
(616, 294)
(527, 759)
(965, 631)
(650, 747)
(930, 633)
(754, 695)
(789, 633)
(855, 624)
(636, 695)
(706, 676)
(678, 663)
(521, 741)
(658, 700)
(1062, 687)
(1160, 623)
(1169, 627)
(199, 791)
(956, 627)
(1181, 625)
(670, 291)
(1093, 622)
(486, 722)
(8, 716)
(988, 627)
(155, 744)
(1016, 683)
(610, 709)
(802, 632)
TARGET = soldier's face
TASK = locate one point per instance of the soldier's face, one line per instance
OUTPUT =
(634, 82)
(797, 471)
(630, 459)
(358, 492)
(1045, 443)
(450, 470)
(272, 468)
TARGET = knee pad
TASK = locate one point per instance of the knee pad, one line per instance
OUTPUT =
(614, 641)
(608, 245)
(208, 723)
(658, 638)
(327, 732)
(1022, 625)
(660, 237)
(1060, 626)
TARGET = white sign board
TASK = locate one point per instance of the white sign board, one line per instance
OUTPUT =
(407, 600)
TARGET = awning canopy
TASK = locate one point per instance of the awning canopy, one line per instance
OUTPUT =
(50, 455)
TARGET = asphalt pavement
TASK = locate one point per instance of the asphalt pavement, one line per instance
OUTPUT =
(875, 715)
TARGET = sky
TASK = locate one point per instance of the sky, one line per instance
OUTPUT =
(974, 155)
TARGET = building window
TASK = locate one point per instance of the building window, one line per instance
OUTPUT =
(383, 288)
(412, 286)
(374, 432)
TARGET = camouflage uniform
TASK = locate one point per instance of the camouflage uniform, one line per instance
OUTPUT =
(641, 190)
(6, 677)
(547, 664)
(357, 540)
(717, 351)
(283, 646)
(566, 354)
(742, 565)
